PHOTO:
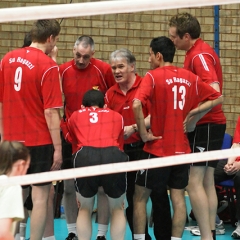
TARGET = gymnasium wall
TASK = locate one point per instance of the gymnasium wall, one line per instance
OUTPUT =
(134, 31)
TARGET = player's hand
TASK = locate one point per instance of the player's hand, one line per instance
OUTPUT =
(149, 136)
(57, 160)
(53, 54)
(231, 169)
(189, 124)
(128, 131)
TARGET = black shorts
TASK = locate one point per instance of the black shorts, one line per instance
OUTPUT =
(207, 137)
(66, 154)
(158, 178)
(41, 160)
(114, 185)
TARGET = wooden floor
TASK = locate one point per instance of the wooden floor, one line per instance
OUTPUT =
(61, 233)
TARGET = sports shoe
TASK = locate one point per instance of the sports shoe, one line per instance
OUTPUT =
(220, 230)
(101, 238)
(72, 236)
(236, 232)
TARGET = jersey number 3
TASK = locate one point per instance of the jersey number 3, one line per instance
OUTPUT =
(176, 92)
(93, 117)
(18, 79)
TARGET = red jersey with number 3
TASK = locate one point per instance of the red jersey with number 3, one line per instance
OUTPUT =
(173, 92)
(203, 61)
(95, 127)
(29, 84)
(75, 82)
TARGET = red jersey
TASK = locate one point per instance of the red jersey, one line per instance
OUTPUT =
(95, 127)
(173, 92)
(202, 60)
(75, 82)
(29, 84)
(121, 103)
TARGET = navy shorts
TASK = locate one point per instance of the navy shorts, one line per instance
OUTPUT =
(114, 185)
(207, 137)
(158, 178)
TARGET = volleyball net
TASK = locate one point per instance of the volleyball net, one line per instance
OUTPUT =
(103, 8)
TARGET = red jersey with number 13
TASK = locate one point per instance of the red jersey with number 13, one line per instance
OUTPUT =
(173, 92)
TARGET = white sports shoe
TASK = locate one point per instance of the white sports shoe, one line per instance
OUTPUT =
(220, 230)
(236, 232)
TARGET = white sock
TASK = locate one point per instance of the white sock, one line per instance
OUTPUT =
(139, 236)
(72, 228)
(17, 236)
(49, 238)
(22, 229)
(102, 230)
(175, 238)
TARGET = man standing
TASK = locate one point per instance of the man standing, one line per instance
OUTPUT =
(119, 98)
(174, 93)
(30, 99)
(79, 75)
(202, 60)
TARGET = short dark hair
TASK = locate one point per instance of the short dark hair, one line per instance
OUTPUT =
(186, 23)
(11, 152)
(93, 98)
(43, 29)
(165, 46)
(27, 40)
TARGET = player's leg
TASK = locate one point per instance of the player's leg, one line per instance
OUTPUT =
(84, 219)
(118, 220)
(178, 181)
(209, 186)
(140, 199)
(39, 212)
(199, 200)
(41, 161)
(102, 213)
(69, 194)
(49, 228)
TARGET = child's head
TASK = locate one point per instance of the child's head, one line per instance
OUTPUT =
(14, 158)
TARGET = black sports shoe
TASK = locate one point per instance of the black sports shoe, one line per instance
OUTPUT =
(71, 236)
(101, 238)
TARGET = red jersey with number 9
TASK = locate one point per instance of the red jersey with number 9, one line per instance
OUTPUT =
(29, 84)
(173, 93)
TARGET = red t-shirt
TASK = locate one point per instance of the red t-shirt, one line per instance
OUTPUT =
(121, 103)
(173, 92)
(203, 61)
(95, 127)
(29, 84)
(75, 82)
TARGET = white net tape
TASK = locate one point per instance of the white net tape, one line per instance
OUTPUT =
(121, 167)
(99, 8)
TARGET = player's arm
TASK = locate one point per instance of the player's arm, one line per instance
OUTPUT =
(52, 116)
(129, 130)
(139, 117)
(197, 113)
(5, 233)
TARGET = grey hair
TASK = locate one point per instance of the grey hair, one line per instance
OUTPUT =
(85, 41)
(123, 53)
